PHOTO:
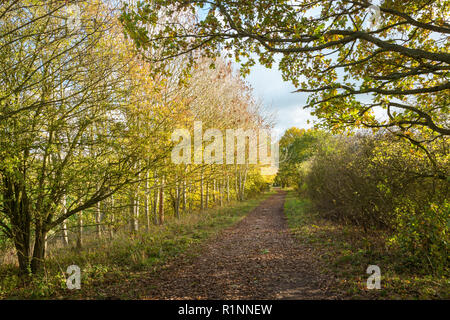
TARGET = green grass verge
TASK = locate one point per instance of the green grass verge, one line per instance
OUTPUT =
(347, 251)
(125, 257)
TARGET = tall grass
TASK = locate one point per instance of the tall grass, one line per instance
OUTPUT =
(346, 250)
(124, 254)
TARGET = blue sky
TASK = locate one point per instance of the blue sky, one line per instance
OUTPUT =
(277, 97)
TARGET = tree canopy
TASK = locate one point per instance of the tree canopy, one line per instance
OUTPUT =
(329, 49)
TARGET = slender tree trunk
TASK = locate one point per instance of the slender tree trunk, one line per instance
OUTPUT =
(161, 202)
(37, 262)
(191, 191)
(177, 198)
(22, 245)
(136, 213)
(80, 230)
(207, 194)
(98, 219)
(184, 195)
(236, 186)
(15, 203)
(240, 185)
(155, 200)
(45, 245)
(136, 206)
(131, 212)
(228, 188)
(202, 205)
(147, 203)
(65, 236)
(221, 193)
(112, 220)
(243, 185)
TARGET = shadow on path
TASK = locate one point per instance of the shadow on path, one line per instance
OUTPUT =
(255, 259)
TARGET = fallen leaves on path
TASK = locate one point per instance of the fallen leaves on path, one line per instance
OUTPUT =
(255, 259)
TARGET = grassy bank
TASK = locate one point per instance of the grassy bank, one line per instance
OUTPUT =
(347, 251)
(123, 257)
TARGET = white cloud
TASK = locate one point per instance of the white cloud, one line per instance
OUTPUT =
(277, 97)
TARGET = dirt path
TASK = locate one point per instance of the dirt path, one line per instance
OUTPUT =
(255, 259)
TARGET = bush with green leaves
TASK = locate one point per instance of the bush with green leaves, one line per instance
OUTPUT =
(380, 183)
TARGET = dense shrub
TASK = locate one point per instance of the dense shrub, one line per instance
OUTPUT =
(379, 182)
